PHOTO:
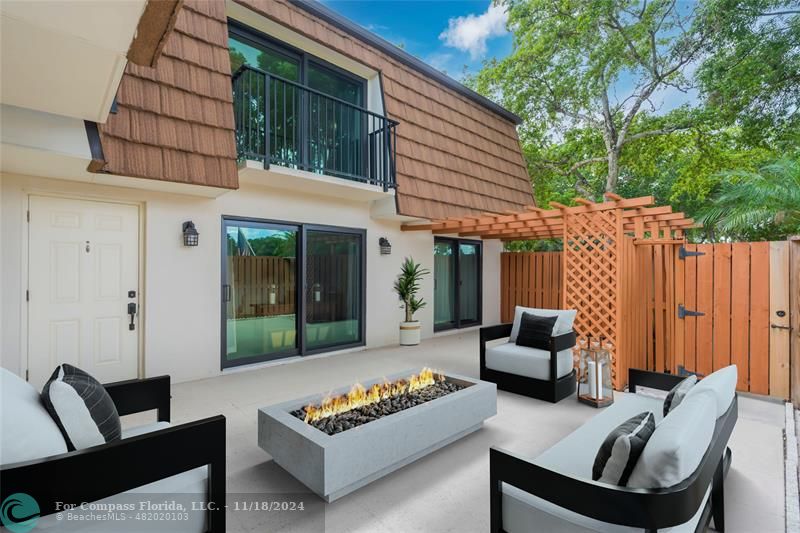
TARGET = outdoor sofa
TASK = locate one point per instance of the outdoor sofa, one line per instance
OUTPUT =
(542, 374)
(688, 451)
(150, 463)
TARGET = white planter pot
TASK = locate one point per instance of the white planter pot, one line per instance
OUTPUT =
(410, 333)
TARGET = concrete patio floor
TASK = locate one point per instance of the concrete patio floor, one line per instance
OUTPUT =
(448, 490)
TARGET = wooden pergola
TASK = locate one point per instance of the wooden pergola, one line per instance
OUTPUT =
(534, 223)
(603, 274)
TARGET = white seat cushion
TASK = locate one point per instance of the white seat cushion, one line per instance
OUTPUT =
(563, 325)
(27, 431)
(722, 383)
(185, 488)
(524, 361)
(678, 444)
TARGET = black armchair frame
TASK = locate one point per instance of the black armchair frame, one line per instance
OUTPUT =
(101, 471)
(552, 390)
(650, 509)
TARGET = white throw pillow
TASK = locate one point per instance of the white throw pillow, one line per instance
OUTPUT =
(678, 444)
(563, 324)
(722, 383)
(26, 430)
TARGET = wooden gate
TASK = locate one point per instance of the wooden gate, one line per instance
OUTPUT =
(742, 291)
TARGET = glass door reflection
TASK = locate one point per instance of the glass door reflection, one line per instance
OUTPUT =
(469, 274)
(444, 279)
(259, 292)
(334, 288)
(457, 283)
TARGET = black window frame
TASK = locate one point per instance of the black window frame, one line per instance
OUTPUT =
(458, 323)
(258, 38)
(301, 349)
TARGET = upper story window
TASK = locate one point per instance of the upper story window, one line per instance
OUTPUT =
(296, 110)
(247, 47)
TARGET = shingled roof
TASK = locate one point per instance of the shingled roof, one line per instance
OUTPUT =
(174, 121)
(457, 153)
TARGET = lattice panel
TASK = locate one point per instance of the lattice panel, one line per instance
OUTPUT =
(591, 272)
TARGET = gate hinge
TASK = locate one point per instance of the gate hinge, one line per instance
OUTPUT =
(683, 253)
(683, 312)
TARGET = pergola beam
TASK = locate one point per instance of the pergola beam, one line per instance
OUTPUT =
(469, 223)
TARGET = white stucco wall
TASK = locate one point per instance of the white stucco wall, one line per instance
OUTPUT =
(181, 288)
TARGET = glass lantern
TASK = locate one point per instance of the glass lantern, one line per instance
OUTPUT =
(595, 378)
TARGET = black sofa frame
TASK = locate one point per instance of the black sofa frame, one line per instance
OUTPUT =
(551, 390)
(101, 471)
(650, 509)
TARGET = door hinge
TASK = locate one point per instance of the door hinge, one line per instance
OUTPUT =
(683, 253)
(28, 215)
(27, 296)
(683, 312)
(27, 375)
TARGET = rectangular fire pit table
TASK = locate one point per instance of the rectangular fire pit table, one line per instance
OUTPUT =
(335, 465)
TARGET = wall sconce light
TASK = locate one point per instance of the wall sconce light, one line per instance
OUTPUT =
(190, 235)
(386, 246)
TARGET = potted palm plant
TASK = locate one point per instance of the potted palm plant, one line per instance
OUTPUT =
(406, 286)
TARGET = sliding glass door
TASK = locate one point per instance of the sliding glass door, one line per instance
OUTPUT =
(457, 283)
(334, 288)
(289, 289)
(259, 291)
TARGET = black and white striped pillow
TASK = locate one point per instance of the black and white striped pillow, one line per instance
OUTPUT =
(678, 393)
(619, 452)
(81, 407)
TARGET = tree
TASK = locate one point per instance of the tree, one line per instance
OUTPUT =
(757, 205)
(752, 75)
(571, 57)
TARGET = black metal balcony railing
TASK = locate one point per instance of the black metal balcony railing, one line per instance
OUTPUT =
(282, 122)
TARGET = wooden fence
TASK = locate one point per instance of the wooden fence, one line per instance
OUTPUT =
(267, 286)
(531, 279)
(741, 289)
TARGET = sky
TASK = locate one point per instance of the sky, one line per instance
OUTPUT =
(446, 34)
(452, 35)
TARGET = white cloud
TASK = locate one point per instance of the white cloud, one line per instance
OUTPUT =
(439, 60)
(470, 33)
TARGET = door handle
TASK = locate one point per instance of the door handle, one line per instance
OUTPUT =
(132, 313)
(777, 326)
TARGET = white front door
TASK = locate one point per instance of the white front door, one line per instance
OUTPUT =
(84, 274)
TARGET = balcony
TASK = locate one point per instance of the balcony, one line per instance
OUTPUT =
(284, 123)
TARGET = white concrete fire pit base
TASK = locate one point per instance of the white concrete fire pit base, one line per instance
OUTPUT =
(335, 465)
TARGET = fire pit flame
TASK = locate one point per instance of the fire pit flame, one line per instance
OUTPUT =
(360, 396)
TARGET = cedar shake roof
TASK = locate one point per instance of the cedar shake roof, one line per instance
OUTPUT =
(455, 156)
(174, 121)
(457, 153)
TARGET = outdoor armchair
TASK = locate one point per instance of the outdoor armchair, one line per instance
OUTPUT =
(151, 461)
(543, 374)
